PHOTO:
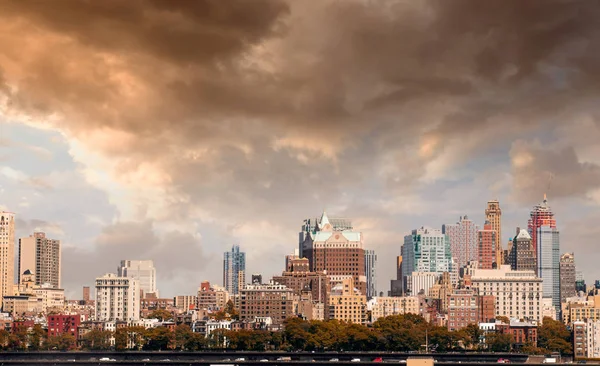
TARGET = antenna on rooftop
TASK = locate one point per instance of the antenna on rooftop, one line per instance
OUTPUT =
(549, 185)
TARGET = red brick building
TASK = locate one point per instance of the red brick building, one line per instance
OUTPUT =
(63, 324)
(522, 332)
(340, 254)
(487, 308)
(487, 247)
(463, 309)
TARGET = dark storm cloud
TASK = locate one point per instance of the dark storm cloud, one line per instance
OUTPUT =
(539, 169)
(269, 110)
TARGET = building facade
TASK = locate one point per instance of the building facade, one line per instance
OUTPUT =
(567, 276)
(546, 243)
(419, 283)
(59, 324)
(298, 277)
(381, 307)
(522, 255)
(340, 254)
(274, 301)
(463, 309)
(347, 303)
(371, 272)
(311, 225)
(7, 253)
(487, 242)
(493, 215)
(425, 250)
(42, 256)
(143, 271)
(518, 294)
(117, 298)
(463, 240)
(234, 270)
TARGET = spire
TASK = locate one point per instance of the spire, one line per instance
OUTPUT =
(324, 220)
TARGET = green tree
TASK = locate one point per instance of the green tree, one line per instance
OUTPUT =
(121, 338)
(196, 342)
(183, 333)
(4, 338)
(159, 338)
(472, 334)
(554, 336)
(97, 340)
(137, 337)
(37, 337)
(161, 314)
(499, 342)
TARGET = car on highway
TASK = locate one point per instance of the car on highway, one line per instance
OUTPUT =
(106, 359)
(378, 359)
(264, 360)
(503, 360)
(355, 360)
(240, 359)
(334, 360)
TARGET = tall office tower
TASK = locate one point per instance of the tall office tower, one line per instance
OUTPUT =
(340, 253)
(463, 240)
(117, 298)
(141, 270)
(493, 214)
(397, 285)
(311, 225)
(567, 276)
(487, 251)
(546, 245)
(425, 250)
(522, 257)
(371, 272)
(7, 256)
(234, 270)
(40, 255)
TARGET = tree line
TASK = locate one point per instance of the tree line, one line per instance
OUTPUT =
(400, 333)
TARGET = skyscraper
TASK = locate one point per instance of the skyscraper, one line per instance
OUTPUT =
(522, 257)
(567, 276)
(371, 272)
(463, 240)
(493, 214)
(425, 250)
(487, 251)
(546, 244)
(234, 270)
(143, 271)
(7, 253)
(339, 252)
(311, 225)
(42, 256)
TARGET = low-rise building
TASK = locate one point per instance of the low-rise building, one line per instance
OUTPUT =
(522, 332)
(184, 303)
(579, 339)
(382, 306)
(59, 324)
(463, 309)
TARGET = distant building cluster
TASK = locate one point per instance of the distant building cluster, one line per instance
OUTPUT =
(454, 276)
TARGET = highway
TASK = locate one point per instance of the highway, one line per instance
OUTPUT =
(248, 358)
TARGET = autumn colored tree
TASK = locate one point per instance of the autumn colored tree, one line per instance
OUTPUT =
(499, 342)
(183, 333)
(161, 314)
(159, 338)
(554, 336)
(97, 340)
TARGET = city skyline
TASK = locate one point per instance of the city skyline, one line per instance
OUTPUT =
(139, 138)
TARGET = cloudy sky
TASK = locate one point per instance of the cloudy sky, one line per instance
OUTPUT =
(170, 130)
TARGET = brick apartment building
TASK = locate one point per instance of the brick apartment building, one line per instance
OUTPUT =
(261, 301)
(63, 324)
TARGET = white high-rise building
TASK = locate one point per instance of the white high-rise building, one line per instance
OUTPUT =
(40, 255)
(141, 270)
(7, 253)
(117, 298)
(371, 272)
(518, 294)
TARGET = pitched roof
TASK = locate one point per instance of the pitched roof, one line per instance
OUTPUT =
(523, 234)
